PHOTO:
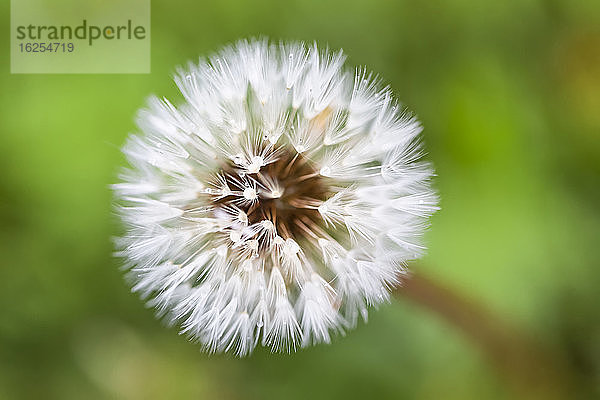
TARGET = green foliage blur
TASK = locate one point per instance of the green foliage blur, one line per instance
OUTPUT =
(509, 94)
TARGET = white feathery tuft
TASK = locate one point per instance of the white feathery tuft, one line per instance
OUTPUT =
(278, 203)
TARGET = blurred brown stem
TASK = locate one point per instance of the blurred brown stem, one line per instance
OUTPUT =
(531, 371)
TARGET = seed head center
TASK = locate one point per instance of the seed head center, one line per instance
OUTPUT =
(273, 200)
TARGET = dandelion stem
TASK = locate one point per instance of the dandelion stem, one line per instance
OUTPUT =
(532, 371)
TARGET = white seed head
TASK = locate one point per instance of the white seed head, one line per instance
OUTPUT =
(235, 236)
(255, 165)
(242, 217)
(268, 225)
(277, 203)
(250, 193)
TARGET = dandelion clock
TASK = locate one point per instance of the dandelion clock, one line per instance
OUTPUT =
(277, 202)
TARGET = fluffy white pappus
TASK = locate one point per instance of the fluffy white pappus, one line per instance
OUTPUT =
(277, 203)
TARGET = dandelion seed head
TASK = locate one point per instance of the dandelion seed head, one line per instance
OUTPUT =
(275, 204)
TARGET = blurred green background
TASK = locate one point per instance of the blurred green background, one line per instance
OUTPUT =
(509, 94)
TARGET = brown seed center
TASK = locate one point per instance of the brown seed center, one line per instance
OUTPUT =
(289, 191)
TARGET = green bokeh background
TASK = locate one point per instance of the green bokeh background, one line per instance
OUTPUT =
(509, 94)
